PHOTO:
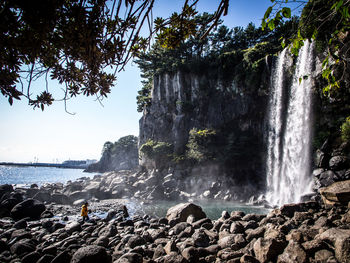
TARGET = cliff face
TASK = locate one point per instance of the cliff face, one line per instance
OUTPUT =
(183, 101)
(121, 155)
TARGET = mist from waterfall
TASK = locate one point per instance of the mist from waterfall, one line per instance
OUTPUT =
(289, 137)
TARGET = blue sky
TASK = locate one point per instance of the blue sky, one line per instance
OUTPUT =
(53, 135)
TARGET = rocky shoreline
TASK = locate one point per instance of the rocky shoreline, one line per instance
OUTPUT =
(38, 232)
(149, 185)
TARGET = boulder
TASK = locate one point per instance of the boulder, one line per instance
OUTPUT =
(46, 259)
(109, 231)
(170, 247)
(236, 228)
(248, 259)
(336, 193)
(21, 234)
(340, 239)
(324, 255)
(78, 195)
(135, 241)
(190, 254)
(3, 246)
(31, 257)
(43, 196)
(290, 209)
(21, 224)
(23, 246)
(327, 178)
(60, 199)
(5, 188)
(72, 227)
(159, 252)
(268, 249)
(317, 172)
(227, 241)
(91, 254)
(182, 211)
(102, 241)
(178, 228)
(28, 208)
(63, 257)
(6, 206)
(338, 162)
(200, 238)
(47, 214)
(321, 159)
(130, 258)
(110, 215)
(293, 253)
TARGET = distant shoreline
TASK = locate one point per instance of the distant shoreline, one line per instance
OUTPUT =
(55, 165)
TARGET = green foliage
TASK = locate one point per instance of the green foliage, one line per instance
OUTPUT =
(75, 42)
(345, 130)
(156, 150)
(326, 21)
(180, 27)
(320, 137)
(123, 145)
(201, 145)
(253, 54)
(144, 97)
(220, 54)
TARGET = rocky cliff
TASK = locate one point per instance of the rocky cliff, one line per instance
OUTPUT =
(121, 155)
(235, 113)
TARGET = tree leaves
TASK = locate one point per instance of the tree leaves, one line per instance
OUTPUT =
(324, 21)
(286, 12)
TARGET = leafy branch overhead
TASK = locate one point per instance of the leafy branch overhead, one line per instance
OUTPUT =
(82, 44)
(324, 21)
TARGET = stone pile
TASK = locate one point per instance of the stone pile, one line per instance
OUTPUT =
(332, 164)
(305, 232)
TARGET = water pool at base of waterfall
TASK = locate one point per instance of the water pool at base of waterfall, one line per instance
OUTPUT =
(212, 208)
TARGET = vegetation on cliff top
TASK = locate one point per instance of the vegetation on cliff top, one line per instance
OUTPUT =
(114, 155)
(230, 54)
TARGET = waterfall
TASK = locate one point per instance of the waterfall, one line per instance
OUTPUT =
(289, 137)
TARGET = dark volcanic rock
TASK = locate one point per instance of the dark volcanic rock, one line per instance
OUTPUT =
(46, 259)
(31, 257)
(338, 192)
(63, 257)
(340, 239)
(28, 208)
(338, 162)
(293, 253)
(182, 211)
(136, 241)
(23, 246)
(268, 249)
(130, 258)
(327, 178)
(91, 254)
(5, 188)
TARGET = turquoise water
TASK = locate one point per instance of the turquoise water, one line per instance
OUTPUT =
(38, 175)
(213, 208)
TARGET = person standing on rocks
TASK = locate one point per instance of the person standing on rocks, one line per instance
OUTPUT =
(84, 211)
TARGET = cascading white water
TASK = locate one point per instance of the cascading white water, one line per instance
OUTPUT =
(289, 138)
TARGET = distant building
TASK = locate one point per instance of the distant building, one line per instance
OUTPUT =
(78, 162)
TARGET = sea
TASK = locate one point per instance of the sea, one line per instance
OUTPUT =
(27, 175)
(21, 176)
